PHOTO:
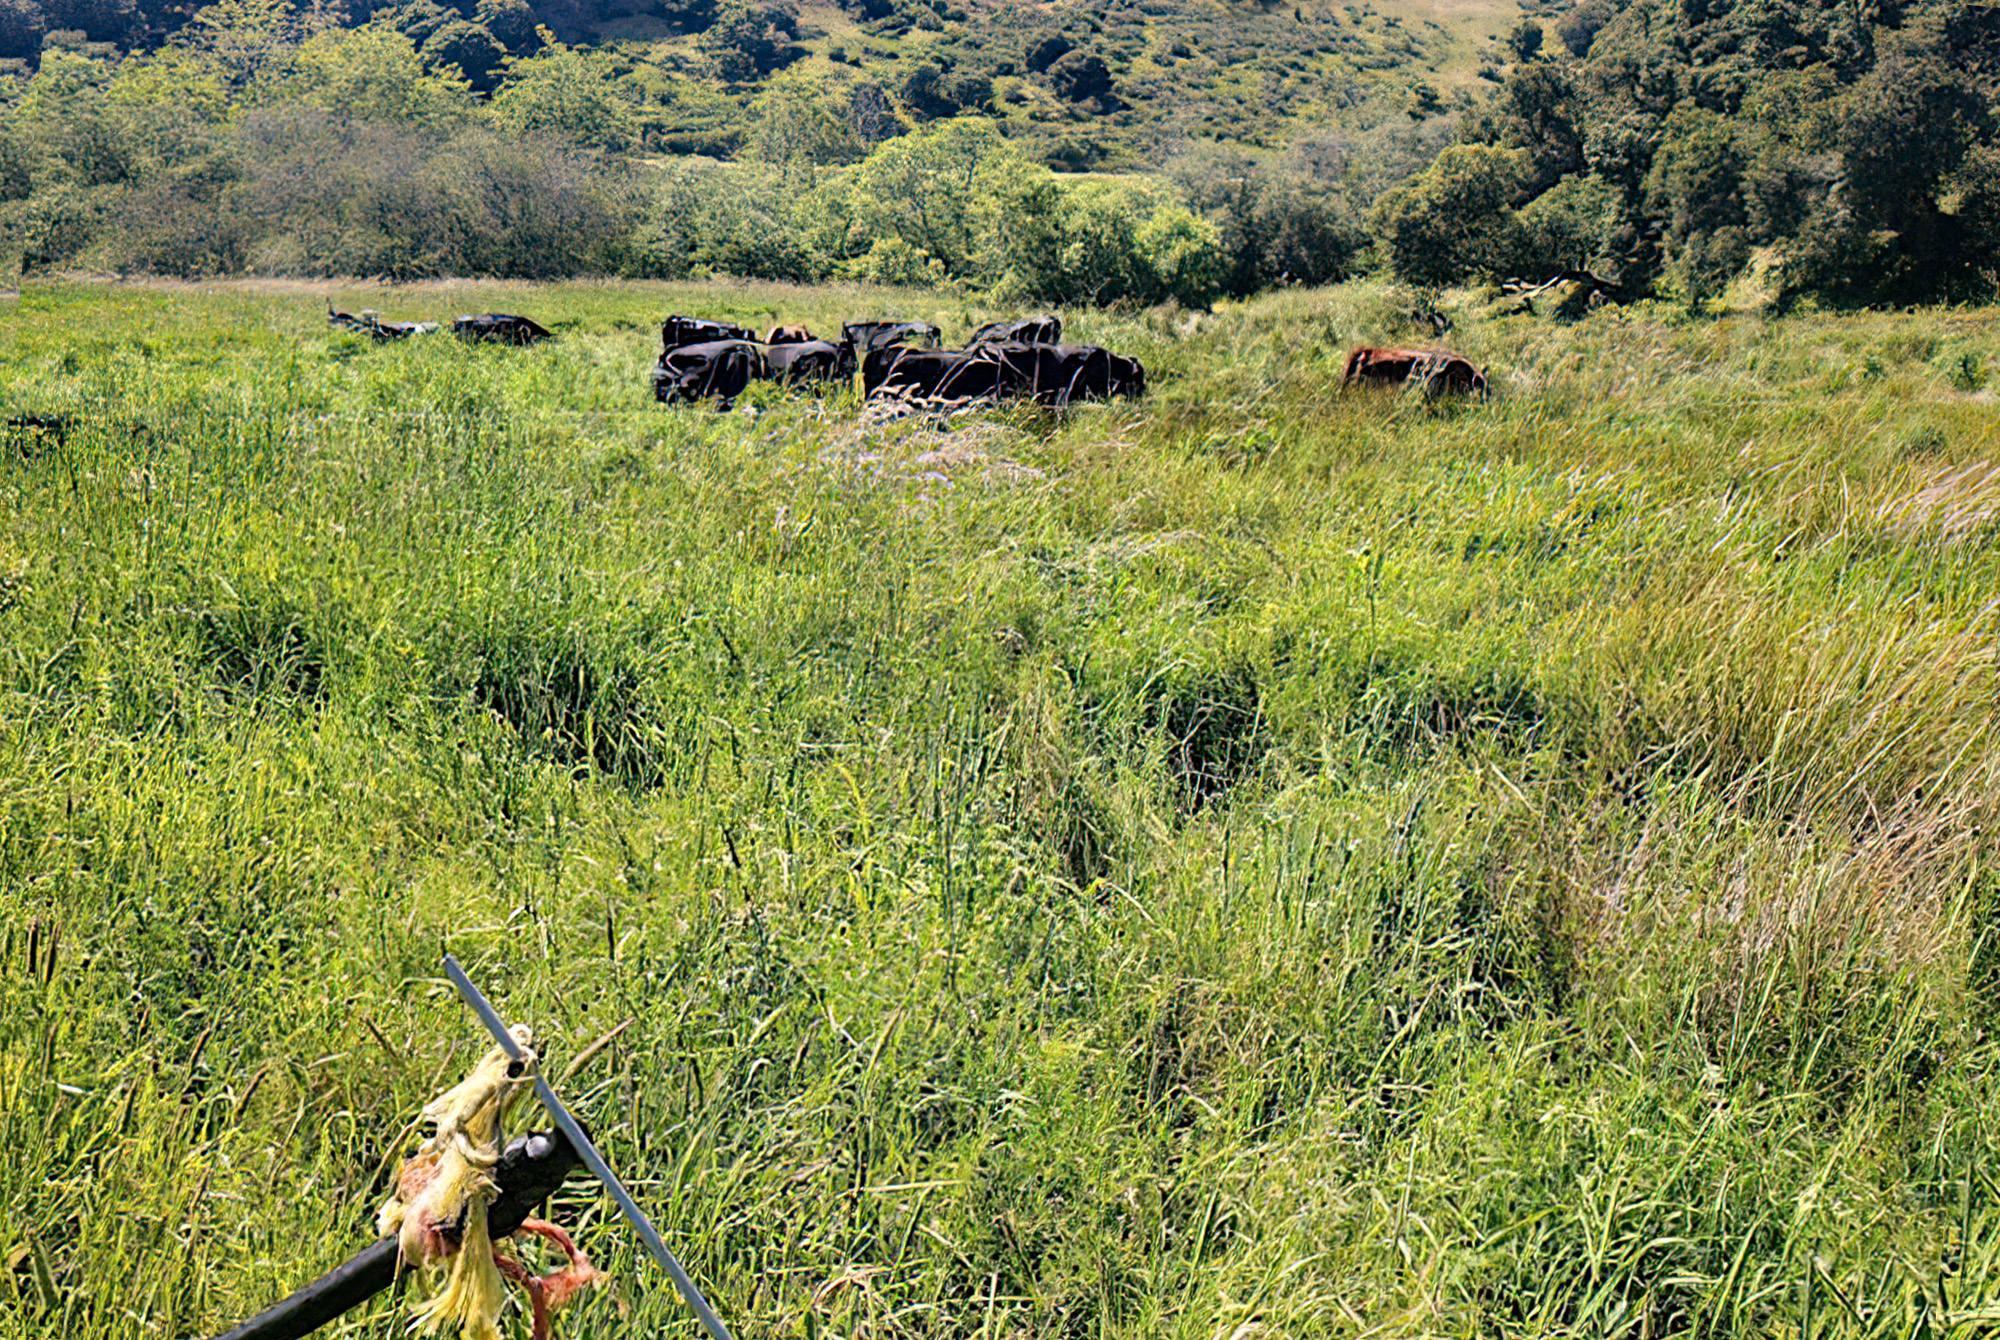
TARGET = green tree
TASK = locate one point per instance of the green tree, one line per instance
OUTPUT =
(17, 164)
(749, 40)
(1540, 111)
(171, 114)
(568, 92)
(1453, 220)
(64, 116)
(1883, 233)
(1567, 227)
(796, 125)
(1184, 256)
(512, 24)
(249, 39)
(374, 73)
(473, 52)
(1697, 180)
(871, 117)
(932, 191)
(1082, 76)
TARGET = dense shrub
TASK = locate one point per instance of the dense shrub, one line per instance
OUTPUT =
(1274, 225)
(1453, 221)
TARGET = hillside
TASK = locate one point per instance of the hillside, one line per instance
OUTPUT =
(1088, 81)
(1130, 151)
(1133, 81)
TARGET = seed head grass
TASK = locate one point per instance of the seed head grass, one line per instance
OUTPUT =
(1266, 859)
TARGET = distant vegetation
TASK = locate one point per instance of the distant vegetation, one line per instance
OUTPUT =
(1854, 146)
(1804, 152)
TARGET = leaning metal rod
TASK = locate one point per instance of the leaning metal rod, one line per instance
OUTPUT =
(531, 1169)
(592, 1160)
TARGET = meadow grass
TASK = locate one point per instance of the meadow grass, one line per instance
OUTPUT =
(1260, 860)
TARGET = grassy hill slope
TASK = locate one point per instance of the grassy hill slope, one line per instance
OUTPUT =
(1260, 76)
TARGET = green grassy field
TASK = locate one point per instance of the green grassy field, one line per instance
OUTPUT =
(1257, 861)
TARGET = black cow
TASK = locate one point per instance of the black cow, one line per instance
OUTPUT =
(941, 374)
(1028, 330)
(677, 332)
(1128, 376)
(32, 434)
(500, 328)
(864, 337)
(367, 322)
(718, 369)
(1055, 374)
(812, 361)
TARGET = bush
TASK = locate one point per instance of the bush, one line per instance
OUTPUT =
(1102, 242)
(749, 41)
(1453, 221)
(17, 175)
(565, 93)
(736, 219)
(1274, 226)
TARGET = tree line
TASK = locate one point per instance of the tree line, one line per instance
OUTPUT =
(258, 140)
(1844, 152)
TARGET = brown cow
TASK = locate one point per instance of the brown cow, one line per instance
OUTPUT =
(789, 335)
(1435, 370)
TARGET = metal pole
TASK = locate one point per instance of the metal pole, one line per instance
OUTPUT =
(587, 1151)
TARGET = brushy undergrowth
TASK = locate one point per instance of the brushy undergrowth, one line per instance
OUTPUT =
(1262, 860)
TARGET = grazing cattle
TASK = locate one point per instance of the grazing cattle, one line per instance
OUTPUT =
(810, 361)
(789, 335)
(1434, 370)
(866, 336)
(500, 328)
(32, 434)
(935, 374)
(719, 369)
(1128, 376)
(1056, 374)
(678, 331)
(1052, 374)
(1029, 330)
(368, 322)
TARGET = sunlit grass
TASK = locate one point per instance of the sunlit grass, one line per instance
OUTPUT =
(1260, 860)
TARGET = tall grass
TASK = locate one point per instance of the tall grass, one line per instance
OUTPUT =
(1260, 860)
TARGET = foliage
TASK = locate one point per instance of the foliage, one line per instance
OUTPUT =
(1840, 146)
(1454, 221)
(795, 124)
(1569, 227)
(1673, 147)
(748, 39)
(565, 91)
(1275, 225)
(374, 73)
(930, 190)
